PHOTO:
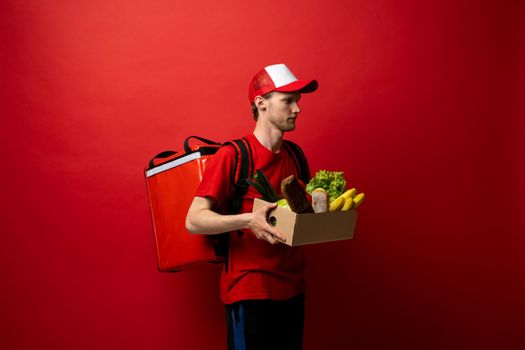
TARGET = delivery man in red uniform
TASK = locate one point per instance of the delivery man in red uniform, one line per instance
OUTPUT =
(263, 285)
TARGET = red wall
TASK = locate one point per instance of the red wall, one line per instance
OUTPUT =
(420, 103)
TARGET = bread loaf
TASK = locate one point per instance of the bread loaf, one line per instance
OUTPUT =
(294, 193)
(320, 200)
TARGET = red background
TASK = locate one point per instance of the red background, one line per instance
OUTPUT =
(420, 103)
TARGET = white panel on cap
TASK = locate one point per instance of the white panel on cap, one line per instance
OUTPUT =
(280, 75)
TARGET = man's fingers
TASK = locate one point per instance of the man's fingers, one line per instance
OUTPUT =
(271, 236)
(276, 235)
(270, 207)
(273, 239)
(267, 231)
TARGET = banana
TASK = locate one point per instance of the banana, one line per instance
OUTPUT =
(359, 199)
(337, 203)
(350, 193)
(348, 204)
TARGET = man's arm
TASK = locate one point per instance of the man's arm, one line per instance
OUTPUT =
(202, 219)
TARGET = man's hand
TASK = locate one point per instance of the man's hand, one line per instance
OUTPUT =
(261, 228)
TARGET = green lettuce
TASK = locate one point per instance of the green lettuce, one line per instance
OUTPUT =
(332, 181)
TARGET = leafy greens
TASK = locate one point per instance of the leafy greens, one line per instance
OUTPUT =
(332, 181)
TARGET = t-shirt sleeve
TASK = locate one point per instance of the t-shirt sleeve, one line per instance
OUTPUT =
(216, 180)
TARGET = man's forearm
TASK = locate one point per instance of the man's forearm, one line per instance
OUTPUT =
(202, 219)
(206, 221)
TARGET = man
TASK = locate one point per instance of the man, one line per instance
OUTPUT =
(263, 285)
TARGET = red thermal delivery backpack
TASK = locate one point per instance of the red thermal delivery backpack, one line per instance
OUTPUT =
(172, 178)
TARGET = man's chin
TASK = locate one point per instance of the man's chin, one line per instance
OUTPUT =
(288, 128)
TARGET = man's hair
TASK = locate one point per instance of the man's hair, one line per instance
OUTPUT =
(255, 111)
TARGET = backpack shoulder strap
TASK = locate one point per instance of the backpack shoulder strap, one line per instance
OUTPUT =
(243, 170)
(301, 164)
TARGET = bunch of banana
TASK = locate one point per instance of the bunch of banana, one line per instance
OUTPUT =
(348, 200)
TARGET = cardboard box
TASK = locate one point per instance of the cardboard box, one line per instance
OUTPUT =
(301, 229)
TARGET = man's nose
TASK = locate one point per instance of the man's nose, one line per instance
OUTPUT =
(296, 108)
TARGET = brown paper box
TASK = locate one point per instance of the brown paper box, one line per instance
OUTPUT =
(301, 229)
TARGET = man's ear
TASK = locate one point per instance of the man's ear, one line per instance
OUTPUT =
(260, 103)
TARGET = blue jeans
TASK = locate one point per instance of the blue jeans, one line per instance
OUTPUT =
(266, 324)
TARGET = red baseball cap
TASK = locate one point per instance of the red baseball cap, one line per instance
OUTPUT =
(278, 77)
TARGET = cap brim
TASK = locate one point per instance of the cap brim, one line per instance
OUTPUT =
(302, 86)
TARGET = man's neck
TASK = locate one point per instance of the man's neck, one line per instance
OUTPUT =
(270, 138)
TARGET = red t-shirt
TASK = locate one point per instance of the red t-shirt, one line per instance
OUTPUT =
(256, 268)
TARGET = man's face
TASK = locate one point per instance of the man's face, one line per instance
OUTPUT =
(282, 110)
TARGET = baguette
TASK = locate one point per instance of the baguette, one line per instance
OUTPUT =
(294, 193)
